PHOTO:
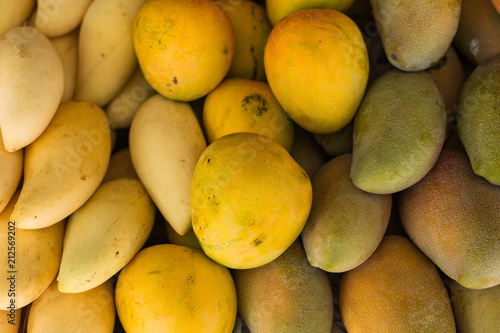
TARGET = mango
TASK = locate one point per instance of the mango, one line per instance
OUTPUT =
(278, 9)
(184, 47)
(286, 295)
(346, 224)
(399, 131)
(306, 151)
(251, 30)
(172, 288)
(453, 216)
(478, 34)
(337, 143)
(475, 310)
(449, 77)
(242, 105)
(317, 67)
(91, 311)
(398, 289)
(416, 34)
(249, 200)
(478, 119)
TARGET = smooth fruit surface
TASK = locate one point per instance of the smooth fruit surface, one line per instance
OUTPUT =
(398, 289)
(286, 295)
(249, 200)
(453, 216)
(184, 47)
(317, 67)
(171, 288)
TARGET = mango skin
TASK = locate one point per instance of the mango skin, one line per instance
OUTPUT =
(91, 311)
(452, 215)
(286, 295)
(242, 105)
(184, 48)
(478, 119)
(416, 34)
(317, 67)
(346, 224)
(279, 9)
(251, 30)
(478, 34)
(476, 311)
(171, 288)
(399, 131)
(249, 200)
(37, 258)
(398, 289)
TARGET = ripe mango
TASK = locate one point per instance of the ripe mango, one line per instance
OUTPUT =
(286, 295)
(476, 311)
(478, 119)
(416, 34)
(249, 200)
(172, 288)
(398, 289)
(399, 131)
(346, 224)
(317, 67)
(453, 216)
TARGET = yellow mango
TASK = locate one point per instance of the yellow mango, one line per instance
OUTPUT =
(317, 66)
(242, 105)
(249, 200)
(172, 288)
(251, 30)
(184, 47)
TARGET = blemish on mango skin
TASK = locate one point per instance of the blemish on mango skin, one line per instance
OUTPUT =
(256, 104)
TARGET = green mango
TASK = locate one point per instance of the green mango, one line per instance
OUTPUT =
(478, 119)
(399, 131)
(416, 34)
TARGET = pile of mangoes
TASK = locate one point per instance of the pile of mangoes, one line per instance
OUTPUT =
(250, 166)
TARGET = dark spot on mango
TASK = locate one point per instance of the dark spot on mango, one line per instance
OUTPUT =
(175, 80)
(154, 272)
(257, 242)
(208, 161)
(255, 104)
(225, 50)
(117, 253)
(393, 56)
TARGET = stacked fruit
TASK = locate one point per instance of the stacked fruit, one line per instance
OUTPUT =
(233, 166)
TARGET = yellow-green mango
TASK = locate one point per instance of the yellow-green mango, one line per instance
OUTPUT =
(416, 34)
(478, 119)
(476, 311)
(105, 234)
(399, 131)
(346, 224)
